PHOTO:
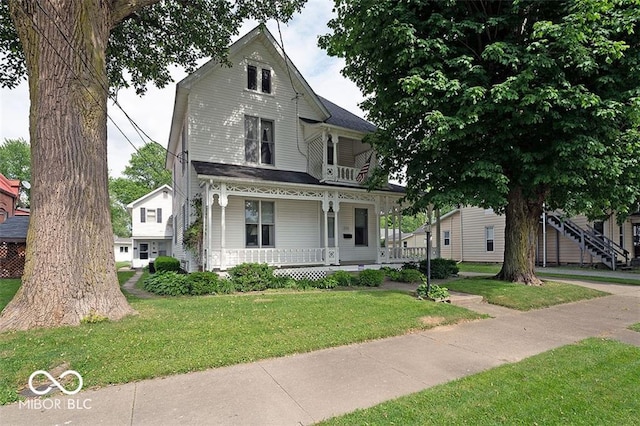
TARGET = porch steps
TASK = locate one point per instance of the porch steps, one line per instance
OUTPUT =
(591, 241)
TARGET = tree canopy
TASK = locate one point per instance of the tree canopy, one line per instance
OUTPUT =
(76, 53)
(15, 163)
(501, 104)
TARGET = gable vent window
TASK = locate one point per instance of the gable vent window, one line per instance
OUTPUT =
(252, 79)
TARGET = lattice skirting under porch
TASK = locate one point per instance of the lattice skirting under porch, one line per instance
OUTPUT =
(12, 259)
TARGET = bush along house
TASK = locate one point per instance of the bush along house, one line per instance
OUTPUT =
(270, 171)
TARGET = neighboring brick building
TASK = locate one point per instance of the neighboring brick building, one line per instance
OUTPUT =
(9, 192)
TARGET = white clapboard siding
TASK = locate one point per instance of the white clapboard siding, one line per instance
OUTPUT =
(219, 101)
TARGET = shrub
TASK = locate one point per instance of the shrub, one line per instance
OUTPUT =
(225, 286)
(166, 263)
(343, 278)
(252, 276)
(168, 283)
(202, 283)
(391, 273)
(371, 278)
(435, 292)
(411, 276)
(440, 268)
(410, 265)
(327, 283)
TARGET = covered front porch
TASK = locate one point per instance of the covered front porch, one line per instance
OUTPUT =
(295, 226)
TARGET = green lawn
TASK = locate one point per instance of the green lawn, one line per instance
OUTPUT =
(635, 327)
(602, 279)
(594, 382)
(483, 268)
(178, 335)
(521, 297)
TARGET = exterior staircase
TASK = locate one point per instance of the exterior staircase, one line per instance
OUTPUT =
(591, 241)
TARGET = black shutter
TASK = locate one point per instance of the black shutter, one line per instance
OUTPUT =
(143, 214)
(159, 215)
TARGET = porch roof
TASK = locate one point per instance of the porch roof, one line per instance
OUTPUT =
(14, 229)
(270, 175)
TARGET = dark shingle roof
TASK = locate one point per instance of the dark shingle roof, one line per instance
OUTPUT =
(268, 175)
(14, 229)
(256, 173)
(343, 118)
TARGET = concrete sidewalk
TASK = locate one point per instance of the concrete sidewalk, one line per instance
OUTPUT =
(306, 388)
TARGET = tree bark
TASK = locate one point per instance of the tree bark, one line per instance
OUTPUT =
(70, 266)
(521, 228)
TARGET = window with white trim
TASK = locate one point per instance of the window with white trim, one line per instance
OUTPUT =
(489, 237)
(259, 144)
(361, 227)
(446, 238)
(253, 72)
(260, 223)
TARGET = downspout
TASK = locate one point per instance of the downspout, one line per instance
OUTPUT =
(461, 237)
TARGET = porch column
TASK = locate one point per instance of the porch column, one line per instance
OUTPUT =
(325, 236)
(386, 229)
(205, 228)
(223, 201)
(336, 226)
(377, 207)
(210, 233)
(334, 140)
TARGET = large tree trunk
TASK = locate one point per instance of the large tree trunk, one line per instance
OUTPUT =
(70, 267)
(521, 228)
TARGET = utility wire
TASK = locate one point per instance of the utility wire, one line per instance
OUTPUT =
(95, 74)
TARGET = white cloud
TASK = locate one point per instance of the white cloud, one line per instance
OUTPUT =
(153, 111)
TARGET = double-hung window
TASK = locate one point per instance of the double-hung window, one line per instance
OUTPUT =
(252, 78)
(259, 145)
(260, 223)
(447, 238)
(489, 237)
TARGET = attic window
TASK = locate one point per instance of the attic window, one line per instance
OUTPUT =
(252, 79)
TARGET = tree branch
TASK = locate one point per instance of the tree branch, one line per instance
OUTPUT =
(122, 9)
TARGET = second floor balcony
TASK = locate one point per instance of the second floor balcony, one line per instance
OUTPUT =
(340, 159)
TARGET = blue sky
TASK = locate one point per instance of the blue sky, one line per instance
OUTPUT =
(153, 111)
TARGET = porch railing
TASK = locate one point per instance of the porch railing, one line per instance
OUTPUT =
(273, 256)
(403, 254)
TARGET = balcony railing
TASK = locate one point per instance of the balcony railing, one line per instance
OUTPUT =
(341, 174)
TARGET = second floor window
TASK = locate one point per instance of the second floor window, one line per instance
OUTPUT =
(150, 215)
(259, 146)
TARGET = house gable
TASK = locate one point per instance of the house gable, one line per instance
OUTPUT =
(150, 214)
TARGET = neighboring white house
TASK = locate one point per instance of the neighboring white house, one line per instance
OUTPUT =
(151, 226)
(122, 249)
(280, 170)
(473, 234)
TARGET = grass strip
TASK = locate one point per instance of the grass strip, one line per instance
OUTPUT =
(522, 297)
(602, 279)
(178, 335)
(635, 327)
(591, 382)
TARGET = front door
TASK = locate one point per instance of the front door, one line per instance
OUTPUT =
(636, 240)
(144, 251)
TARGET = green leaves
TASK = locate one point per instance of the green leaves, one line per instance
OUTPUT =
(476, 97)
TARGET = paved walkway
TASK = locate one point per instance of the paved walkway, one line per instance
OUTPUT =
(306, 388)
(130, 286)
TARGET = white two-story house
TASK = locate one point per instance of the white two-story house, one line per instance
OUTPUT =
(280, 170)
(151, 226)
